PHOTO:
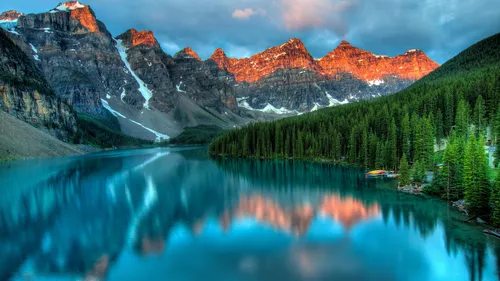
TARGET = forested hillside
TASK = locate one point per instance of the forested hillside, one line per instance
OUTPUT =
(464, 93)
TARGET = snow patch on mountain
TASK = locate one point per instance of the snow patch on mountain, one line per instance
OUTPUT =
(316, 107)
(159, 136)
(271, 109)
(8, 24)
(106, 105)
(69, 6)
(14, 32)
(143, 89)
(178, 87)
(242, 102)
(377, 82)
(123, 94)
(334, 102)
(35, 56)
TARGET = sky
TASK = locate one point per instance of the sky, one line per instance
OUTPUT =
(441, 28)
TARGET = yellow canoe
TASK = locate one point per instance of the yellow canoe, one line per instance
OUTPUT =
(377, 172)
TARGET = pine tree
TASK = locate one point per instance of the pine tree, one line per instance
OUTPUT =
(439, 129)
(392, 146)
(405, 134)
(429, 133)
(438, 186)
(497, 136)
(449, 112)
(496, 127)
(424, 142)
(246, 145)
(338, 147)
(453, 169)
(379, 162)
(278, 140)
(372, 150)
(477, 187)
(364, 149)
(404, 172)
(419, 172)
(351, 157)
(495, 202)
(479, 116)
(462, 119)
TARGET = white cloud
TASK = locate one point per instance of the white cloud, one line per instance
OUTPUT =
(247, 13)
(304, 14)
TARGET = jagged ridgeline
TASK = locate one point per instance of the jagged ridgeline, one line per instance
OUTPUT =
(377, 133)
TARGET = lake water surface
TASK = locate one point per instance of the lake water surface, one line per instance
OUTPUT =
(177, 214)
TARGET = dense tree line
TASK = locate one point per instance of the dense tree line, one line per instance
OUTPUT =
(199, 135)
(104, 133)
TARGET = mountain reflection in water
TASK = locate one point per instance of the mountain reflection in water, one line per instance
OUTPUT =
(177, 214)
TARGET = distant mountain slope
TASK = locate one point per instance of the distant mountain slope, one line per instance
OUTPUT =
(378, 132)
(19, 140)
(483, 54)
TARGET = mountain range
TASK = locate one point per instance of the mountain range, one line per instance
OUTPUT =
(128, 84)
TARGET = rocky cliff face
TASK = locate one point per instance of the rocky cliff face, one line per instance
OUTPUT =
(411, 65)
(78, 57)
(168, 77)
(25, 94)
(292, 54)
(286, 79)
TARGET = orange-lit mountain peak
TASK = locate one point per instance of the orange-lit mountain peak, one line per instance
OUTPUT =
(143, 38)
(221, 59)
(132, 38)
(188, 52)
(290, 55)
(345, 44)
(294, 43)
(84, 15)
(11, 15)
(412, 65)
(218, 54)
(80, 12)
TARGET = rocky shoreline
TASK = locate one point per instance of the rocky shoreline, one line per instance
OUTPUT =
(460, 205)
(412, 189)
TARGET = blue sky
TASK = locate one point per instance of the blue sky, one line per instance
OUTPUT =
(442, 28)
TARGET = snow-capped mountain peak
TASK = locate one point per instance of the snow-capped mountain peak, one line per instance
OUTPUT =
(69, 6)
(11, 15)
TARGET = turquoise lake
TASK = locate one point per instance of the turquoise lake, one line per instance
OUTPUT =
(178, 214)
